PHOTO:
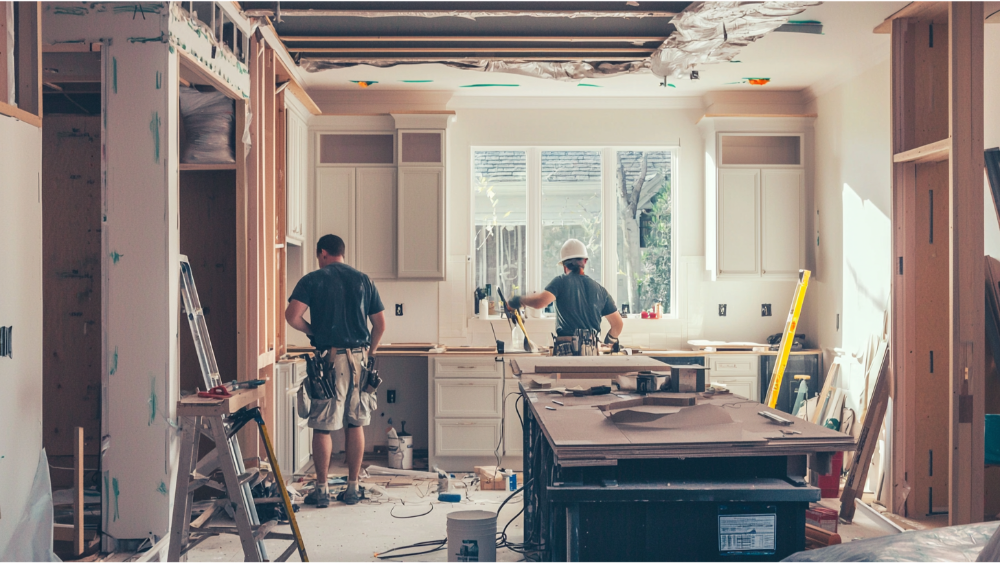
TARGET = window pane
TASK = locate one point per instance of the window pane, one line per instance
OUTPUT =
(500, 188)
(645, 206)
(571, 208)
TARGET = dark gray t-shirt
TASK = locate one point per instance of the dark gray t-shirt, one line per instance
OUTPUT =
(581, 302)
(340, 299)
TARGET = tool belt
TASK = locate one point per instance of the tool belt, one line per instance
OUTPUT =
(583, 343)
(319, 384)
(365, 377)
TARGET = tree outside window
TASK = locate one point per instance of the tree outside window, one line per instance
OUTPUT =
(642, 186)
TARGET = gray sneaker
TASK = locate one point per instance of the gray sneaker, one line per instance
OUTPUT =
(351, 497)
(319, 498)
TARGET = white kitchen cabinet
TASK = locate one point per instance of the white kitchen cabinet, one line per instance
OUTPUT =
(296, 176)
(479, 398)
(758, 172)
(376, 231)
(781, 192)
(745, 386)
(421, 201)
(336, 206)
(513, 432)
(738, 221)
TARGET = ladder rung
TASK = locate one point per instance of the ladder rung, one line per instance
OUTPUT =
(264, 529)
(288, 552)
(196, 484)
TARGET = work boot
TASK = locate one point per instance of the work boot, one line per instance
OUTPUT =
(319, 498)
(351, 497)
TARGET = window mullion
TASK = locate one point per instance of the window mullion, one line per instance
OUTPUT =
(609, 223)
(534, 227)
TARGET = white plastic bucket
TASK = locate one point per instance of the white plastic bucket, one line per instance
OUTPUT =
(472, 536)
(406, 447)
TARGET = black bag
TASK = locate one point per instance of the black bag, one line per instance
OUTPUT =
(319, 380)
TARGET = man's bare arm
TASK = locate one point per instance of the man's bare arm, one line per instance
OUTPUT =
(378, 329)
(617, 324)
(538, 300)
(293, 314)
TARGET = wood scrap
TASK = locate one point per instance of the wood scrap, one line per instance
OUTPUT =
(817, 537)
(824, 394)
(868, 439)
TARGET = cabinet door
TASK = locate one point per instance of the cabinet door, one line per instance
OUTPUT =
(376, 230)
(513, 433)
(467, 398)
(466, 437)
(421, 223)
(781, 230)
(738, 189)
(335, 205)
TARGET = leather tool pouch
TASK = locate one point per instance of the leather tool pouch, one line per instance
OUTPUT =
(319, 383)
(370, 376)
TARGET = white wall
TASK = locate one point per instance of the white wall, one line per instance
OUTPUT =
(991, 130)
(852, 200)
(20, 307)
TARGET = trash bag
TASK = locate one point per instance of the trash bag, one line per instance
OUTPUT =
(209, 125)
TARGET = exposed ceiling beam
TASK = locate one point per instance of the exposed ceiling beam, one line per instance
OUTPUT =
(367, 60)
(378, 50)
(376, 13)
(445, 39)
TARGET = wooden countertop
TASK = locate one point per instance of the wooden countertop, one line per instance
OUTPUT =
(458, 351)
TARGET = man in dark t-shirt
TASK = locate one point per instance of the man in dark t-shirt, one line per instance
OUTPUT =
(341, 301)
(581, 302)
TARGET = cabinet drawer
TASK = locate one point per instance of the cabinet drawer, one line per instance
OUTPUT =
(478, 366)
(733, 364)
(478, 398)
(466, 437)
(742, 386)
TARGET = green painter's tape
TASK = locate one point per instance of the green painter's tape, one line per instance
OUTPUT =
(590, 85)
(114, 487)
(152, 402)
(114, 362)
(490, 86)
(171, 49)
(114, 74)
(115, 257)
(107, 493)
(65, 11)
(154, 128)
(162, 489)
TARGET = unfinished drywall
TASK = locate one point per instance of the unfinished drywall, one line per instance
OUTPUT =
(991, 227)
(71, 198)
(20, 308)
(851, 246)
(140, 245)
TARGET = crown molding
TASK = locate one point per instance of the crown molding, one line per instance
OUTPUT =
(566, 102)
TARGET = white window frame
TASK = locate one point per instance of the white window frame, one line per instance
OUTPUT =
(609, 203)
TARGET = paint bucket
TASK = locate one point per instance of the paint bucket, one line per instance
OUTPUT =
(406, 447)
(472, 536)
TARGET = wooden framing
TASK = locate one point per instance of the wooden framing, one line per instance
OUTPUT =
(938, 330)
(27, 21)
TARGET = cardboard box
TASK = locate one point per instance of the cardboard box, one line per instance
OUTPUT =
(491, 479)
(822, 517)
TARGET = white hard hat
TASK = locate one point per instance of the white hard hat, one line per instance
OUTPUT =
(572, 249)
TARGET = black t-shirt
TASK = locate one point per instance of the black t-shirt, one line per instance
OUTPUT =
(581, 302)
(340, 299)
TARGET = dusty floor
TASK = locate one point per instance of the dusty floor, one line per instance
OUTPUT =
(357, 533)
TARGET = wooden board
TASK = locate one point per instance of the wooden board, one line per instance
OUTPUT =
(71, 273)
(868, 440)
(579, 364)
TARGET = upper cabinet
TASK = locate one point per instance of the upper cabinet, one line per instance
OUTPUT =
(380, 185)
(756, 179)
(296, 176)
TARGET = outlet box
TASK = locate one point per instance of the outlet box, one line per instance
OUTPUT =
(722, 309)
(765, 310)
(390, 396)
(399, 309)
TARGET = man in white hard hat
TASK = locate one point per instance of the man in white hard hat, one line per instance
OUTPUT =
(581, 302)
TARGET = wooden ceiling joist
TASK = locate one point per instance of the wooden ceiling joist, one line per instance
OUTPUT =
(365, 60)
(468, 39)
(379, 50)
(935, 11)
(461, 13)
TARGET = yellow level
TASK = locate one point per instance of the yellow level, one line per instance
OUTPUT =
(787, 338)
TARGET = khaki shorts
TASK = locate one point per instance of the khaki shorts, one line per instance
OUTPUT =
(351, 406)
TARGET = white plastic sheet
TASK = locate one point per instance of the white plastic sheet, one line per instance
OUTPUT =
(954, 543)
(33, 533)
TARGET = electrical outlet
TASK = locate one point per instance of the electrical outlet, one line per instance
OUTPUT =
(390, 396)
(722, 309)
(399, 309)
(765, 310)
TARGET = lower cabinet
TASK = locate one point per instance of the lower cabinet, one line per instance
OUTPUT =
(472, 415)
(742, 386)
(798, 364)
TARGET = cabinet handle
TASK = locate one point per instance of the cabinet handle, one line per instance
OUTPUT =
(465, 367)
